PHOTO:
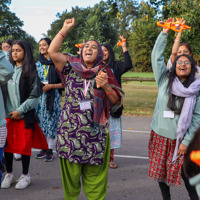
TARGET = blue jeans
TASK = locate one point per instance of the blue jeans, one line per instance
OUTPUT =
(1, 158)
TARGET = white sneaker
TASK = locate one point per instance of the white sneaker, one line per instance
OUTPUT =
(23, 182)
(17, 156)
(8, 180)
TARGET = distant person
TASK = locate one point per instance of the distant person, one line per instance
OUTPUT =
(49, 107)
(6, 47)
(23, 91)
(6, 71)
(118, 68)
(176, 118)
(83, 142)
(179, 49)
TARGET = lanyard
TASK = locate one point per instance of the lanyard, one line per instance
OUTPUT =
(46, 71)
(86, 86)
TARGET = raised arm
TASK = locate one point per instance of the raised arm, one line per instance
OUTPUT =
(176, 44)
(6, 69)
(157, 59)
(127, 64)
(124, 48)
(57, 57)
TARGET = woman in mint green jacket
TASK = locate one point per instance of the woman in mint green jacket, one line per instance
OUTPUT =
(176, 118)
(6, 72)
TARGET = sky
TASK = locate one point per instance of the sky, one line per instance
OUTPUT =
(37, 15)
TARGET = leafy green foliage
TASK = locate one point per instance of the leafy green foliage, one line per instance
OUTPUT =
(125, 13)
(99, 25)
(108, 19)
(99, 22)
(190, 11)
(142, 38)
(11, 25)
(76, 35)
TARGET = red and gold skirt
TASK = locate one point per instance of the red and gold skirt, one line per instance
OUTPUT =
(20, 140)
(161, 150)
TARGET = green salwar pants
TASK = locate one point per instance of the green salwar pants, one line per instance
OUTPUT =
(94, 177)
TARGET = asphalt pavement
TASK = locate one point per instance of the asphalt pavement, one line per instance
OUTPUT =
(128, 182)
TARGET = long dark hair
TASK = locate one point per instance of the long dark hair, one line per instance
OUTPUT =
(28, 64)
(8, 41)
(111, 59)
(188, 46)
(48, 41)
(191, 169)
(172, 75)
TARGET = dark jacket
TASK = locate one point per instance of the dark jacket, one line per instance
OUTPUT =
(118, 69)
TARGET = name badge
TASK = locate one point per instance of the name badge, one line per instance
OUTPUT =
(168, 114)
(86, 104)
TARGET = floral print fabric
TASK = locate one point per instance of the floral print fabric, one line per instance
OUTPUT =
(79, 139)
(115, 132)
(47, 123)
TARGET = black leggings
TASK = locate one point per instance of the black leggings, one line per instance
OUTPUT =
(165, 189)
(9, 162)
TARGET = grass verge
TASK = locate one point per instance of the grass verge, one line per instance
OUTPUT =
(138, 74)
(140, 98)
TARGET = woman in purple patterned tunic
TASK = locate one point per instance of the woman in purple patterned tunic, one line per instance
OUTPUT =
(82, 139)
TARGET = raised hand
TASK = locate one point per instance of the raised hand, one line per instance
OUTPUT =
(123, 41)
(68, 24)
(182, 21)
(170, 20)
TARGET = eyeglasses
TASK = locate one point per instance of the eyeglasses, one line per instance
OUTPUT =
(180, 62)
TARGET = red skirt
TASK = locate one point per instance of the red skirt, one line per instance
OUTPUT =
(20, 140)
(161, 150)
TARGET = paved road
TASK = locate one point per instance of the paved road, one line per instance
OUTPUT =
(128, 182)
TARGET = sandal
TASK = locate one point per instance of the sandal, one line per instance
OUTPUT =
(112, 165)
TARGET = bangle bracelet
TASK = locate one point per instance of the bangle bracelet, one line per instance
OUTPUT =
(177, 40)
(109, 93)
(61, 33)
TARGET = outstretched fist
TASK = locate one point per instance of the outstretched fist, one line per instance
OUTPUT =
(69, 23)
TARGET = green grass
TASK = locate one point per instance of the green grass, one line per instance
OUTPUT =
(140, 98)
(139, 75)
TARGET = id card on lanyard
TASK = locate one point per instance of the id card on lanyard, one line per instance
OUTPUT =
(85, 104)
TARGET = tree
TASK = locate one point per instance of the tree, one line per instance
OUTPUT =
(123, 13)
(11, 25)
(190, 11)
(90, 23)
(99, 22)
(100, 25)
(143, 37)
(145, 30)
(76, 35)
(127, 11)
